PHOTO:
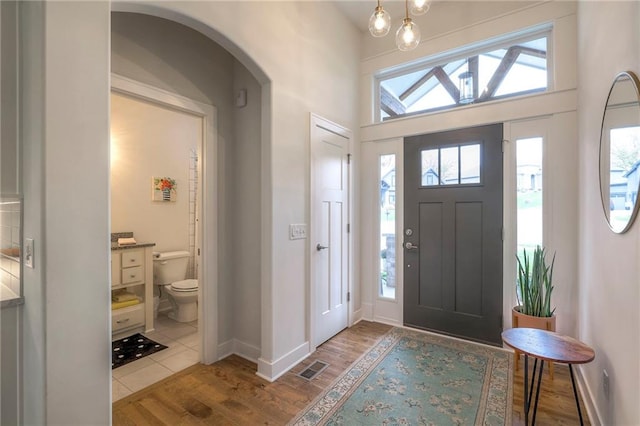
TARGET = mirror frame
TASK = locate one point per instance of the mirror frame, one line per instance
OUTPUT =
(606, 203)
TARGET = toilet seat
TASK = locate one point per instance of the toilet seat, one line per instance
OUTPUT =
(185, 285)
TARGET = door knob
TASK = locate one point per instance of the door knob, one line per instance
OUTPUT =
(319, 247)
(410, 246)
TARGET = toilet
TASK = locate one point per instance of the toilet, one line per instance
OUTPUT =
(170, 271)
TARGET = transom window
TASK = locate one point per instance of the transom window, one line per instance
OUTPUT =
(479, 74)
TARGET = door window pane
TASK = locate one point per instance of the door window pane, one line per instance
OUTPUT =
(452, 165)
(430, 167)
(449, 165)
(470, 163)
(529, 193)
(387, 173)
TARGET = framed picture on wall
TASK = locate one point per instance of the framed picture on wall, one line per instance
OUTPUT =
(163, 189)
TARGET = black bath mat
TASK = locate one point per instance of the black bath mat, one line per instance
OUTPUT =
(131, 348)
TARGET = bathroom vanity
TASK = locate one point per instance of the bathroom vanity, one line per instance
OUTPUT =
(132, 273)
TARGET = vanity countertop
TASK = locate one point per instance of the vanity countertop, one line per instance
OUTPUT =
(116, 246)
(9, 298)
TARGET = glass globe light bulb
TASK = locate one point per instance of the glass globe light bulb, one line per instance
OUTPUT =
(420, 7)
(408, 35)
(380, 22)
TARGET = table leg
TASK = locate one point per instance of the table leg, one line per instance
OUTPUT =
(533, 376)
(526, 389)
(535, 406)
(575, 394)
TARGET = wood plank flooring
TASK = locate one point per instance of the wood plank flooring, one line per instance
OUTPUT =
(228, 392)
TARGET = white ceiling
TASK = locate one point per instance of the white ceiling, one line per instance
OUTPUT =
(359, 11)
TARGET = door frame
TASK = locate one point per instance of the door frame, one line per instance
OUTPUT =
(318, 121)
(207, 209)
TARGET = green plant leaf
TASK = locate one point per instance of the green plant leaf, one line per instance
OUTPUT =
(534, 283)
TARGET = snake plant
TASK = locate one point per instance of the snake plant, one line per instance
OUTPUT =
(535, 283)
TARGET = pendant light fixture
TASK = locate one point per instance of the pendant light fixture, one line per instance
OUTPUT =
(408, 35)
(420, 7)
(466, 87)
(380, 22)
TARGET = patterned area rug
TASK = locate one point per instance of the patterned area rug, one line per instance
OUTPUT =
(415, 378)
(131, 348)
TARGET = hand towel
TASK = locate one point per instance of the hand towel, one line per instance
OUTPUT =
(122, 296)
(126, 241)
(119, 305)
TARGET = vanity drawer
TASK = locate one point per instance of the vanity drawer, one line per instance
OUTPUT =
(132, 258)
(132, 275)
(130, 316)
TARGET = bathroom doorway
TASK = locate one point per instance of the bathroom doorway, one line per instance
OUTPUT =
(159, 135)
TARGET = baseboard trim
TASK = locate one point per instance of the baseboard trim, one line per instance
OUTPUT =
(240, 348)
(388, 321)
(225, 349)
(357, 316)
(367, 311)
(271, 370)
(587, 397)
(246, 350)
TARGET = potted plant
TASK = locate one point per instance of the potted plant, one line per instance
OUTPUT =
(534, 287)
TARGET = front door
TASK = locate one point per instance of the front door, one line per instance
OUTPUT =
(453, 232)
(329, 234)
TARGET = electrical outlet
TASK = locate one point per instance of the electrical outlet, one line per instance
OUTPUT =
(297, 231)
(605, 383)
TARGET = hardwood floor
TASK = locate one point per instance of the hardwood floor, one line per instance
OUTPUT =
(229, 392)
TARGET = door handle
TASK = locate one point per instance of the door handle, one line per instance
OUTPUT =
(410, 246)
(319, 247)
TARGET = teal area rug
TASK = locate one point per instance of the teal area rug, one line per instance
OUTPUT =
(415, 378)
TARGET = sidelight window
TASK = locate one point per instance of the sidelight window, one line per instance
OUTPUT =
(387, 173)
(529, 192)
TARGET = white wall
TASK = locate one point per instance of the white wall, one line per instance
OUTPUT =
(65, 134)
(608, 274)
(9, 169)
(244, 214)
(10, 339)
(147, 141)
(32, 130)
(76, 205)
(10, 351)
(442, 19)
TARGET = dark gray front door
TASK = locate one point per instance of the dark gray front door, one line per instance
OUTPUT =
(453, 232)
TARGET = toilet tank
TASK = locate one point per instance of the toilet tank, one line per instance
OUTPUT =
(169, 267)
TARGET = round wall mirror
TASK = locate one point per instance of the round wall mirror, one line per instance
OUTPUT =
(620, 152)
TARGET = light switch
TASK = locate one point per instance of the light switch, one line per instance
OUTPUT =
(28, 252)
(297, 231)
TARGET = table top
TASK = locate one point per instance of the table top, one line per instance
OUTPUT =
(548, 345)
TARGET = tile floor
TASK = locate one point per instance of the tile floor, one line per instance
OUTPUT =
(182, 352)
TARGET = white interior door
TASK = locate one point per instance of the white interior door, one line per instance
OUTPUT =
(329, 238)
